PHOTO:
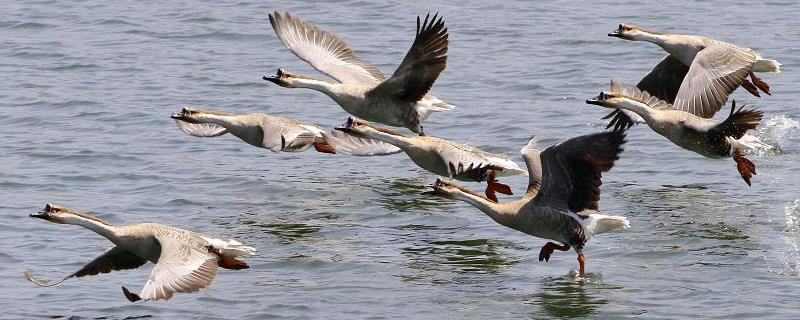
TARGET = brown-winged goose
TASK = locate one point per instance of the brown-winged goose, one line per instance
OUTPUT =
(184, 261)
(698, 74)
(276, 133)
(562, 200)
(692, 132)
(402, 100)
(443, 157)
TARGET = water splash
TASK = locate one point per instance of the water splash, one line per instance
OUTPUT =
(778, 131)
(792, 258)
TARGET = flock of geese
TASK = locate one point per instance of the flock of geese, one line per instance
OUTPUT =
(677, 100)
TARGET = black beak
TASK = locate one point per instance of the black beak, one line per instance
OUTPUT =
(431, 192)
(273, 79)
(347, 126)
(615, 34)
(598, 100)
(176, 116)
(276, 78)
(41, 214)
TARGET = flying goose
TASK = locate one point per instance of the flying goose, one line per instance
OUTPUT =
(698, 74)
(562, 200)
(443, 157)
(184, 261)
(276, 133)
(704, 136)
(402, 100)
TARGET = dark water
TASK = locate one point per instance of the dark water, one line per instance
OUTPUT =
(88, 86)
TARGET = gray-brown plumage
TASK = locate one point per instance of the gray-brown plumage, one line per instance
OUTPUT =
(402, 100)
(697, 75)
(563, 193)
(184, 261)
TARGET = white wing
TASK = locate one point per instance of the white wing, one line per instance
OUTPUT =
(201, 129)
(323, 50)
(181, 267)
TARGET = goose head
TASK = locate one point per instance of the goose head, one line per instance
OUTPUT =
(54, 213)
(286, 79)
(631, 32)
(609, 99)
(188, 114)
(363, 129)
(448, 190)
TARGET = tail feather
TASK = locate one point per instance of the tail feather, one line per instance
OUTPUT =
(766, 65)
(608, 223)
(738, 122)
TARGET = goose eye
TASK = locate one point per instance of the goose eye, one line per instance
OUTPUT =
(621, 26)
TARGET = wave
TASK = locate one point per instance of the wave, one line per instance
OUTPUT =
(792, 258)
(779, 131)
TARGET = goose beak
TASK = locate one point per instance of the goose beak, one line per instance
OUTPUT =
(178, 116)
(347, 127)
(598, 100)
(435, 186)
(615, 34)
(41, 214)
(276, 78)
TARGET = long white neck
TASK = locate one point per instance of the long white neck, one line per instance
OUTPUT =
(657, 38)
(397, 140)
(328, 88)
(108, 231)
(640, 108)
(227, 121)
(504, 214)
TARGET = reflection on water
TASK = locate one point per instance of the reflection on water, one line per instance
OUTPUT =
(567, 297)
(286, 232)
(479, 255)
(404, 195)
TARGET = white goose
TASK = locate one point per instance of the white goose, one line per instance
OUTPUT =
(563, 195)
(698, 74)
(184, 261)
(692, 132)
(443, 157)
(402, 100)
(276, 133)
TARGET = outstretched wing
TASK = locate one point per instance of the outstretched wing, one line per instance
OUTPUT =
(662, 82)
(323, 50)
(344, 143)
(533, 162)
(423, 63)
(201, 129)
(112, 259)
(714, 74)
(181, 267)
(571, 170)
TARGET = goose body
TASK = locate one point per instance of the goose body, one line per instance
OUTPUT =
(402, 100)
(275, 133)
(561, 203)
(699, 73)
(701, 135)
(184, 261)
(443, 157)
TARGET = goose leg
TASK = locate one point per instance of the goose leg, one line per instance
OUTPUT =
(750, 87)
(132, 297)
(492, 186)
(547, 250)
(324, 147)
(746, 167)
(760, 83)
(581, 265)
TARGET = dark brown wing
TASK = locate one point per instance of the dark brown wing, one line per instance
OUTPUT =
(423, 63)
(663, 82)
(571, 170)
(113, 259)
